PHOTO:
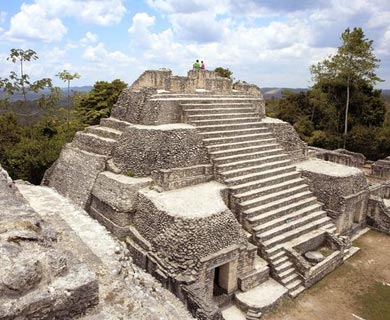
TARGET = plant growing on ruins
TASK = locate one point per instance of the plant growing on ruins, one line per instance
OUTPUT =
(353, 64)
(224, 72)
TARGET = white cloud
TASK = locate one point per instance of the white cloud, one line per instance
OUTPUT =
(89, 38)
(99, 53)
(33, 23)
(384, 43)
(3, 16)
(41, 20)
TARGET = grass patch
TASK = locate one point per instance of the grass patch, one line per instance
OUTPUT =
(375, 303)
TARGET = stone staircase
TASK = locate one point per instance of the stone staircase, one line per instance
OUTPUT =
(100, 139)
(267, 194)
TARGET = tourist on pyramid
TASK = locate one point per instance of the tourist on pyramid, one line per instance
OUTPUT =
(196, 64)
(202, 65)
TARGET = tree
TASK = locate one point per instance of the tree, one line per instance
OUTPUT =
(225, 73)
(68, 77)
(20, 83)
(354, 62)
(99, 101)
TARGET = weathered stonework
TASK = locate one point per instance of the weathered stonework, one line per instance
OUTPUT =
(37, 279)
(143, 149)
(344, 191)
(381, 168)
(74, 173)
(287, 137)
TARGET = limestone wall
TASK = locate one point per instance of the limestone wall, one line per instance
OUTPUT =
(74, 173)
(287, 137)
(37, 279)
(342, 189)
(142, 149)
(152, 78)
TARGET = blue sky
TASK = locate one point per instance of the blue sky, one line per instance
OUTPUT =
(269, 43)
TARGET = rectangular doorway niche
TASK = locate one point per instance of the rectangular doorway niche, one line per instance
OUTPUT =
(225, 278)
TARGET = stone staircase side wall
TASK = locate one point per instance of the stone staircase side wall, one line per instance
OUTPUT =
(378, 215)
(152, 79)
(342, 196)
(74, 173)
(288, 138)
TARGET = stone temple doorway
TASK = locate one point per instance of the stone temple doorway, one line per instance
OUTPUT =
(225, 278)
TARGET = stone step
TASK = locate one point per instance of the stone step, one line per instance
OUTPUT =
(295, 233)
(236, 133)
(240, 144)
(295, 214)
(264, 208)
(214, 102)
(256, 184)
(282, 229)
(240, 150)
(233, 113)
(268, 189)
(262, 200)
(221, 160)
(105, 132)
(168, 94)
(114, 123)
(253, 162)
(261, 217)
(292, 281)
(286, 272)
(237, 137)
(229, 127)
(296, 291)
(278, 255)
(278, 250)
(226, 121)
(283, 267)
(93, 143)
(282, 258)
(257, 177)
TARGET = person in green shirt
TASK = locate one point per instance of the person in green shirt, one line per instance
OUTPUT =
(196, 65)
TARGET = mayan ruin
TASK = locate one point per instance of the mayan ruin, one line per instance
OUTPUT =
(218, 205)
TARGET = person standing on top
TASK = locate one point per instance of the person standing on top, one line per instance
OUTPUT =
(196, 64)
(202, 65)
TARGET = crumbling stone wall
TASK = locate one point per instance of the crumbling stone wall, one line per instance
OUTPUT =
(287, 137)
(37, 279)
(381, 168)
(74, 173)
(202, 235)
(343, 190)
(142, 149)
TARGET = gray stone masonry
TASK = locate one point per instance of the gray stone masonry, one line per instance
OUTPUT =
(37, 279)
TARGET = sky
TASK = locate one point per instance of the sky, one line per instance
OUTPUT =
(268, 43)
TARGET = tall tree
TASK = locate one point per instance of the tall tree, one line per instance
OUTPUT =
(354, 62)
(66, 76)
(20, 83)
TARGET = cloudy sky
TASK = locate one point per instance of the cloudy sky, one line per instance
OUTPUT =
(269, 43)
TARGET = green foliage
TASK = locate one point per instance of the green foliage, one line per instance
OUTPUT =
(99, 101)
(353, 66)
(225, 73)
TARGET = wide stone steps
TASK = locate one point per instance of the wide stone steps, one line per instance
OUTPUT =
(258, 217)
(272, 197)
(253, 162)
(233, 126)
(242, 137)
(240, 150)
(268, 189)
(105, 132)
(228, 121)
(93, 143)
(277, 204)
(283, 268)
(213, 102)
(291, 225)
(256, 184)
(246, 156)
(294, 233)
(232, 114)
(279, 260)
(221, 145)
(296, 291)
(293, 281)
(295, 214)
(236, 135)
